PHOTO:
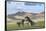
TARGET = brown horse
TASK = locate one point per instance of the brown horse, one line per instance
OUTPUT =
(30, 21)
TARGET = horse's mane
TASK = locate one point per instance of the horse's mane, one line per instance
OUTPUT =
(28, 19)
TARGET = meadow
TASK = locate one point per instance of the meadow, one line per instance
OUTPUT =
(13, 26)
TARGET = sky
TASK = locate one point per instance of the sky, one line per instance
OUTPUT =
(13, 7)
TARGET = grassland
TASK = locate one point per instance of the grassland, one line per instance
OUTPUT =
(13, 26)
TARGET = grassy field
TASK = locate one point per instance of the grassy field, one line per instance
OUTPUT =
(13, 26)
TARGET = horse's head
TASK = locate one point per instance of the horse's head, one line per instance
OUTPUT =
(27, 18)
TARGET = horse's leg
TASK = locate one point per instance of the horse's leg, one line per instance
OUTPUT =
(18, 24)
(31, 23)
(23, 24)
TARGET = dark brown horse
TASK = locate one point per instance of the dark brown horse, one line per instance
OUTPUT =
(30, 21)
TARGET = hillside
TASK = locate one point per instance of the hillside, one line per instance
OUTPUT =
(21, 15)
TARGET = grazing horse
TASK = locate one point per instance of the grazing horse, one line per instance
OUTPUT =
(28, 19)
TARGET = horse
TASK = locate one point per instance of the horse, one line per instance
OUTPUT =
(30, 21)
(26, 19)
(22, 22)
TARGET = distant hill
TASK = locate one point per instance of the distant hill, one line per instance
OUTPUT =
(22, 14)
(42, 12)
(18, 13)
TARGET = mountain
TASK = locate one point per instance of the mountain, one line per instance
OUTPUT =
(21, 15)
(26, 13)
(18, 13)
(41, 14)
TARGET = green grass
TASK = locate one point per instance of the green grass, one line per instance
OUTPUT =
(41, 24)
(14, 26)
